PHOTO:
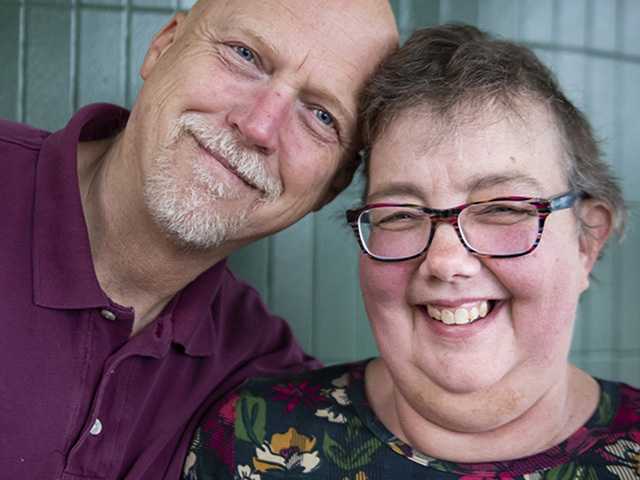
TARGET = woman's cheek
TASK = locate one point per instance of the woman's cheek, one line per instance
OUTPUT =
(522, 277)
(384, 283)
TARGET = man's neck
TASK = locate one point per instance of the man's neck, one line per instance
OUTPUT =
(135, 263)
(544, 422)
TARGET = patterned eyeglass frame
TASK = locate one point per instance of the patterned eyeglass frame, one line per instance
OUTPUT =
(544, 206)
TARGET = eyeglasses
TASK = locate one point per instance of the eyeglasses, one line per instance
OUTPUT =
(500, 228)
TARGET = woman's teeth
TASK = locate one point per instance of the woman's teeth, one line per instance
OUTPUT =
(461, 315)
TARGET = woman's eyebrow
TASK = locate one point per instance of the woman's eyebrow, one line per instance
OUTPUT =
(395, 188)
(515, 179)
(475, 183)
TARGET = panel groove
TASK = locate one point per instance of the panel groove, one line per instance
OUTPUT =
(127, 52)
(73, 55)
(617, 256)
(588, 51)
(314, 283)
(22, 65)
(93, 6)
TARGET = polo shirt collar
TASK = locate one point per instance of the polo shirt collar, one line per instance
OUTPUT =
(63, 272)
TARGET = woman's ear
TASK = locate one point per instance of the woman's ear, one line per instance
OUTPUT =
(161, 42)
(596, 221)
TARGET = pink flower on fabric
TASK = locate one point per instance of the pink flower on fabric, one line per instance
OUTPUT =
(220, 426)
(296, 393)
(227, 412)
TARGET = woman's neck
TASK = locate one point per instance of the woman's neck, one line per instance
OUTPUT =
(483, 428)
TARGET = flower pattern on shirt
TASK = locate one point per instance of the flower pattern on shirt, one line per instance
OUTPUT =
(245, 472)
(319, 425)
(294, 393)
(290, 451)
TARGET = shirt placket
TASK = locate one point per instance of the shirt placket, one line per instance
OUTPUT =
(95, 454)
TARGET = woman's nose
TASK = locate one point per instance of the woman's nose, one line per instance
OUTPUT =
(447, 259)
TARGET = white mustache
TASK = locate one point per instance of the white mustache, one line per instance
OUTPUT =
(247, 164)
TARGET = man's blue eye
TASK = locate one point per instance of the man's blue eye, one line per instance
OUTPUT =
(246, 53)
(325, 117)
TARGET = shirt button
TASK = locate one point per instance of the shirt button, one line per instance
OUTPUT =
(108, 314)
(96, 429)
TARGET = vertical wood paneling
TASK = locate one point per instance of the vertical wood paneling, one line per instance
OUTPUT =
(101, 33)
(569, 69)
(144, 25)
(411, 14)
(252, 264)
(499, 17)
(536, 20)
(629, 162)
(628, 340)
(155, 3)
(571, 21)
(9, 39)
(335, 284)
(630, 10)
(628, 370)
(603, 35)
(459, 11)
(48, 86)
(291, 278)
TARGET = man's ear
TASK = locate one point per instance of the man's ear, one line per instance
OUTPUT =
(596, 225)
(161, 42)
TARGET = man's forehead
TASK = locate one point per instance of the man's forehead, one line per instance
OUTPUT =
(327, 46)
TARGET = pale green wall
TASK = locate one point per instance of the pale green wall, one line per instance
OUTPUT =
(60, 54)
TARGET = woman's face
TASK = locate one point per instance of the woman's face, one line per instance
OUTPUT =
(481, 374)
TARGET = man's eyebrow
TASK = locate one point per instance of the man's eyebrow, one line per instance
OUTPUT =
(333, 103)
(483, 182)
(257, 39)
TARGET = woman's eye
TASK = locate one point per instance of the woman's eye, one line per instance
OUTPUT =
(246, 53)
(324, 117)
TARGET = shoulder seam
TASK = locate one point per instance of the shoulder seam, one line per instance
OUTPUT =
(29, 145)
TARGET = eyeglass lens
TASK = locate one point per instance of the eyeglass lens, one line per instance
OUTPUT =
(491, 228)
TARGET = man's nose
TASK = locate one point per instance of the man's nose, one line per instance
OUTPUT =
(447, 259)
(260, 117)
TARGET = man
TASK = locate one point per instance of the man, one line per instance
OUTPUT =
(120, 320)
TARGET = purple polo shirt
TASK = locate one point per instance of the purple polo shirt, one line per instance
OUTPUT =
(78, 397)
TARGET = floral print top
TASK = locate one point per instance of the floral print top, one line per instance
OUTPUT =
(318, 425)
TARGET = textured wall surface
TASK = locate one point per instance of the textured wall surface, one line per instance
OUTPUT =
(58, 55)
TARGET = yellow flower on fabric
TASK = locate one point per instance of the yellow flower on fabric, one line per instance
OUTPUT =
(290, 451)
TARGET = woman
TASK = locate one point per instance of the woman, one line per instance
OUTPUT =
(486, 207)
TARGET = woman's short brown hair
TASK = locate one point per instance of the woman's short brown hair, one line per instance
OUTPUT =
(447, 67)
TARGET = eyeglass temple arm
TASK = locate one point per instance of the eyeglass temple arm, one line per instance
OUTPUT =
(564, 201)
